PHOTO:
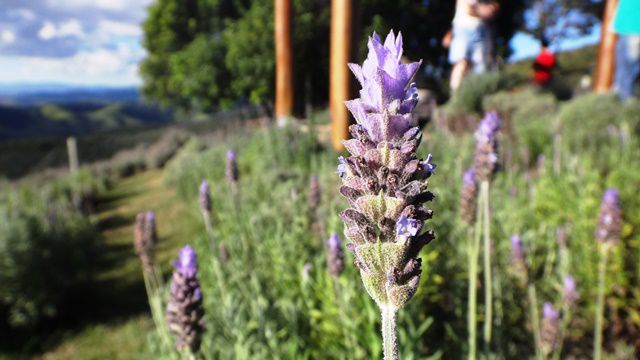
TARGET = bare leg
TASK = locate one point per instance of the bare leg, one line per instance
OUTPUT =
(457, 73)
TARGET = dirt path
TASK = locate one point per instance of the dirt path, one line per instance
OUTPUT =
(117, 324)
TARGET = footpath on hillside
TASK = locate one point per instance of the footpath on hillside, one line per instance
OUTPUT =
(116, 323)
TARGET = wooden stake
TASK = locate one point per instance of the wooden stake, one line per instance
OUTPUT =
(284, 66)
(606, 50)
(339, 79)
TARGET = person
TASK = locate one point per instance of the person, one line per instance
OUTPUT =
(469, 41)
(544, 64)
(627, 25)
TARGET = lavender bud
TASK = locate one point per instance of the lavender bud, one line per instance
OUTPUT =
(550, 328)
(231, 169)
(314, 192)
(561, 237)
(150, 233)
(184, 310)
(518, 259)
(383, 179)
(335, 255)
(204, 198)
(570, 294)
(468, 197)
(485, 160)
(142, 241)
(610, 219)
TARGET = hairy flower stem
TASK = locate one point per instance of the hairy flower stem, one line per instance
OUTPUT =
(535, 320)
(153, 285)
(473, 283)
(389, 333)
(597, 341)
(566, 320)
(488, 286)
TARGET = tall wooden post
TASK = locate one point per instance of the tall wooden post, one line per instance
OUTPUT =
(284, 64)
(339, 77)
(606, 50)
(72, 153)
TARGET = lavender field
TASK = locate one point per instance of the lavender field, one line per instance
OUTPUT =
(495, 220)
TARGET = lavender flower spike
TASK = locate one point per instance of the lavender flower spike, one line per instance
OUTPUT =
(314, 192)
(468, 197)
(570, 294)
(184, 310)
(231, 169)
(550, 329)
(485, 161)
(518, 259)
(610, 219)
(204, 197)
(335, 255)
(385, 182)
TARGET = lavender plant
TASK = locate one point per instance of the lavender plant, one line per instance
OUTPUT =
(231, 168)
(608, 235)
(335, 255)
(550, 329)
(184, 310)
(385, 183)
(144, 238)
(468, 197)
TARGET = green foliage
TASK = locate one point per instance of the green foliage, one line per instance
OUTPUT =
(46, 247)
(468, 99)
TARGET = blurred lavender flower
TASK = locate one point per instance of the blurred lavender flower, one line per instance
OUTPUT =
(468, 197)
(184, 310)
(144, 240)
(314, 192)
(231, 169)
(204, 197)
(485, 161)
(610, 219)
(224, 253)
(383, 179)
(570, 294)
(335, 255)
(150, 233)
(518, 258)
(550, 329)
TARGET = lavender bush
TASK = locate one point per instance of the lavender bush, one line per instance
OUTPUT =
(385, 182)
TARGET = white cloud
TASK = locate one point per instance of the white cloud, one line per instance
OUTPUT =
(109, 27)
(7, 37)
(68, 28)
(113, 5)
(109, 67)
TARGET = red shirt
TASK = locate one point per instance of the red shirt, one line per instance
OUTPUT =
(543, 67)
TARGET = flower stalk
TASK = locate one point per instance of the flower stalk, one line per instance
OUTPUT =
(386, 183)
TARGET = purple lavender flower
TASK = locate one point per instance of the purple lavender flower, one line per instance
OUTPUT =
(550, 328)
(485, 161)
(570, 294)
(144, 239)
(610, 219)
(383, 179)
(231, 169)
(335, 255)
(204, 198)
(468, 197)
(184, 310)
(518, 258)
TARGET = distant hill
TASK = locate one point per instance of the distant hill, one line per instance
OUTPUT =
(36, 94)
(59, 120)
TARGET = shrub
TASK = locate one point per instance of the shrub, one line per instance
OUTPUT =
(469, 97)
(45, 250)
(163, 149)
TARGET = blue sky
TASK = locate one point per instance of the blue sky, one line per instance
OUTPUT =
(97, 42)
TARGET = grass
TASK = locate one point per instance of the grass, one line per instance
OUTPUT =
(121, 321)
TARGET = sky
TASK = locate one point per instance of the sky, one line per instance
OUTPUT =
(98, 42)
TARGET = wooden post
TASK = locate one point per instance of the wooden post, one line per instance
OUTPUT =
(605, 66)
(284, 64)
(72, 152)
(339, 77)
